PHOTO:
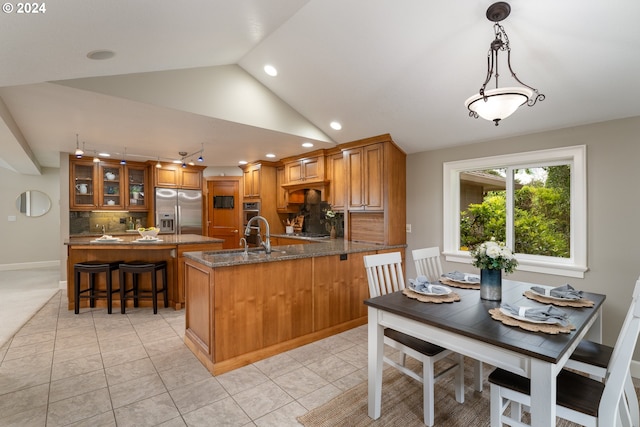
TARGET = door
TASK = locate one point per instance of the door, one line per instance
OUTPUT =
(224, 220)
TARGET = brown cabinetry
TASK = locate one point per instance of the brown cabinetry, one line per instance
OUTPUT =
(107, 185)
(364, 170)
(282, 195)
(137, 191)
(83, 185)
(175, 176)
(309, 169)
(251, 180)
(337, 183)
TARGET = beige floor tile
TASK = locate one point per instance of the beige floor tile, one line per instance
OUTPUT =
(123, 355)
(137, 389)
(149, 412)
(190, 372)
(242, 379)
(278, 365)
(76, 366)
(63, 354)
(224, 412)
(129, 371)
(77, 408)
(34, 416)
(106, 419)
(332, 368)
(262, 399)
(23, 400)
(77, 384)
(282, 417)
(300, 382)
(193, 396)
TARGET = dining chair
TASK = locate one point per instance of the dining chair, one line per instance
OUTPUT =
(579, 399)
(384, 273)
(427, 261)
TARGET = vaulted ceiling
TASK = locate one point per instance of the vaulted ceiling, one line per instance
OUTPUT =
(189, 75)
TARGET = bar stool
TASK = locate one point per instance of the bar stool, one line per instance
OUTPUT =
(139, 267)
(92, 268)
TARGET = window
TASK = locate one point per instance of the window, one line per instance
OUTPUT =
(534, 201)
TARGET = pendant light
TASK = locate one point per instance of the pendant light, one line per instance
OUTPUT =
(79, 152)
(499, 103)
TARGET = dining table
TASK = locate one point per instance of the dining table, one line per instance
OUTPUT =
(467, 327)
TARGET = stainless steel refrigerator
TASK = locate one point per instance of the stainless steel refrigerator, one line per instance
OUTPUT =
(178, 211)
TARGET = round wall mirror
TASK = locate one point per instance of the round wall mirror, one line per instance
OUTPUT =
(33, 203)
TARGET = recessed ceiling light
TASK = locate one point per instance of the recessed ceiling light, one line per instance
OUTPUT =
(177, 162)
(270, 155)
(335, 125)
(270, 70)
(101, 54)
(104, 154)
(307, 144)
(243, 162)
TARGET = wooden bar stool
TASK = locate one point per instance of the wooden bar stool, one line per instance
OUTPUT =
(92, 268)
(139, 267)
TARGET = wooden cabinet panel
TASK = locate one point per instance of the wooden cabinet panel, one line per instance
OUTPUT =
(340, 286)
(337, 183)
(175, 176)
(364, 169)
(251, 181)
(199, 292)
(310, 169)
(282, 195)
(251, 314)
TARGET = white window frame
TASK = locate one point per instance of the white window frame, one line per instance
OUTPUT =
(576, 156)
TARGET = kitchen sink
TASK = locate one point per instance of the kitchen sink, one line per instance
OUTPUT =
(250, 251)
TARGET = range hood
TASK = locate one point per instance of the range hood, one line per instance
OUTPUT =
(318, 185)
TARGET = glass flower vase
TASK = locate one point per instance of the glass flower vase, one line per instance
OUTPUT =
(333, 233)
(491, 284)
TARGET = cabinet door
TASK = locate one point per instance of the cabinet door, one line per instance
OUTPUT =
(251, 181)
(364, 177)
(294, 172)
(373, 174)
(191, 178)
(83, 191)
(313, 169)
(137, 187)
(281, 194)
(337, 185)
(167, 176)
(111, 186)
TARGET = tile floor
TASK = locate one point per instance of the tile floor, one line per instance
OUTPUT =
(95, 369)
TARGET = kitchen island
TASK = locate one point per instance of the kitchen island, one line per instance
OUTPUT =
(241, 308)
(168, 248)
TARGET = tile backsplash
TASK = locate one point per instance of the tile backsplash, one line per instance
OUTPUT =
(81, 222)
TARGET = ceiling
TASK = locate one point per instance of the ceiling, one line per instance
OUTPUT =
(189, 75)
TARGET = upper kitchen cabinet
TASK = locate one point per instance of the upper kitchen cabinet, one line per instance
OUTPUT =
(111, 177)
(364, 171)
(173, 175)
(308, 169)
(337, 183)
(83, 185)
(259, 184)
(137, 188)
(251, 174)
(375, 211)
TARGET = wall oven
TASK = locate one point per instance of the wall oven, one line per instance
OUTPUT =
(249, 210)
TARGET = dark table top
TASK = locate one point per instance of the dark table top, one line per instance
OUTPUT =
(470, 317)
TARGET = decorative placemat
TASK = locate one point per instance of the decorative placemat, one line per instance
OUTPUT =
(528, 326)
(452, 297)
(562, 303)
(460, 285)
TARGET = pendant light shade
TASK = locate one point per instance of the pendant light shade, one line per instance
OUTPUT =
(499, 103)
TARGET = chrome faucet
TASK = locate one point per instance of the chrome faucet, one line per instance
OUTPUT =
(267, 242)
(243, 243)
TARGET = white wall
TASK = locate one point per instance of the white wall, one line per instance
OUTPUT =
(613, 173)
(29, 242)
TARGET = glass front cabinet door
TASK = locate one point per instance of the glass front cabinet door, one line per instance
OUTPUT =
(83, 191)
(136, 188)
(111, 178)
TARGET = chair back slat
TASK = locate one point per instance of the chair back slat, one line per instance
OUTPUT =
(427, 261)
(620, 362)
(384, 273)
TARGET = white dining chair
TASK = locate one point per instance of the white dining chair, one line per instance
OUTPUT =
(579, 399)
(427, 262)
(384, 273)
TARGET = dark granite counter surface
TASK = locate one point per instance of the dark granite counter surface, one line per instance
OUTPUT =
(166, 239)
(324, 247)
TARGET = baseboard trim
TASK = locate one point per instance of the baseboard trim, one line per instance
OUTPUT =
(635, 369)
(29, 265)
(62, 285)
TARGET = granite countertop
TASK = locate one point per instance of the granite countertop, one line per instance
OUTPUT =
(303, 237)
(324, 247)
(166, 239)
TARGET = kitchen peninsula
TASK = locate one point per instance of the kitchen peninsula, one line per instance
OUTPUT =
(241, 308)
(169, 248)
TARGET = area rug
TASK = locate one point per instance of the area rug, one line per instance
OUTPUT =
(17, 308)
(402, 404)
